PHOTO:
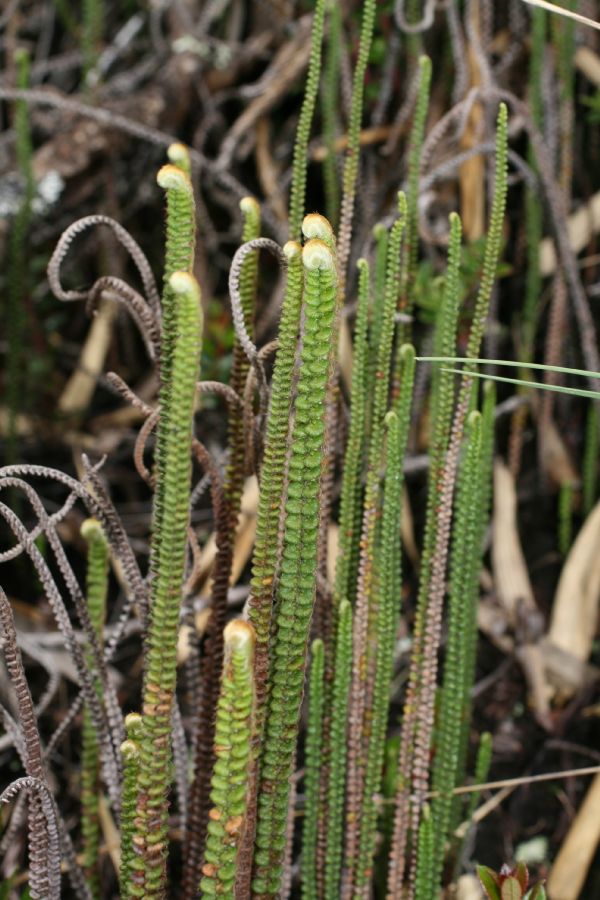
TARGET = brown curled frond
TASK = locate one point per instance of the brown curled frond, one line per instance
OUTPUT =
(237, 310)
(125, 239)
(110, 287)
(225, 391)
(44, 867)
(140, 447)
(123, 389)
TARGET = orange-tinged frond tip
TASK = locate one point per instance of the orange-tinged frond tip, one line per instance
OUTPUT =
(317, 255)
(171, 178)
(317, 226)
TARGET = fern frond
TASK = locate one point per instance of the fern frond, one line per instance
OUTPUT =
(297, 581)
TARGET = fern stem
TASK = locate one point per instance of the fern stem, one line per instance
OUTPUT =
(308, 868)
(296, 590)
(231, 773)
(96, 592)
(169, 540)
(311, 90)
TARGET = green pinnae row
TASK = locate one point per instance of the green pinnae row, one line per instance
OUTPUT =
(297, 579)
(441, 407)
(469, 636)
(466, 557)
(264, 561)
(350, 510)
(231, 775)
(493, 242)
(338, 736)
(130, 753)
(311, 90)
(169, 548)
(179, 257)
(366, 603)
(96, 593)
(329, 112)
(312, 765)
(351, 163)
(426, 882)
(388, 587)
(411, 246)
(386, 335)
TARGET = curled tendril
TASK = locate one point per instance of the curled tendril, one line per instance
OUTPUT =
(425, 22)
(145, 312)
(236, 305)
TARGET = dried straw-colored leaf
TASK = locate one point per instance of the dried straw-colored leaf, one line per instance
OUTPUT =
(588, 64)
(77, 393)
(571, 866)
(514, 591)
(582, 225)
(575, 608)
(511, 578)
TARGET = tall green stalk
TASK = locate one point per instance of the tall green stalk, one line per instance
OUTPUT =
(297, 582)
(329, 111)
(337, 736)
(231, 773)
(96, 592)
(130, 753)
(350, 507)
(388, 596)
(311, 90)
(411, 245)
(169, 549)
(466, 559)
(308, 868)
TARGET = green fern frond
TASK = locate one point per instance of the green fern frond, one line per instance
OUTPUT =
(130, 752)
(388, 589)
(308, 867)
(466, 556)
(411, 246)
(266, 554)
(338, 736)
(169, 549)
(297, 580)
(96, 593)
(231, 774)
(329, 111)
(350, 511)
(311, 90)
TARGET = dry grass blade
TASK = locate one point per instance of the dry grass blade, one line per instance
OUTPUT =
(571, 866)
(561, 11)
